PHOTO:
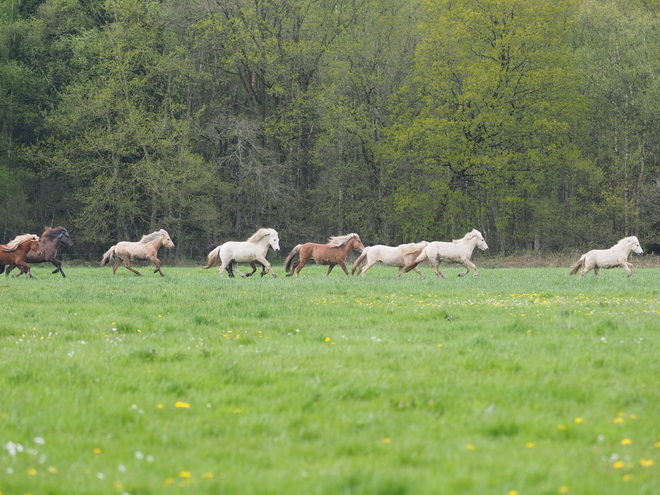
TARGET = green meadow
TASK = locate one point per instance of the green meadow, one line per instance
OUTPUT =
(521, 381)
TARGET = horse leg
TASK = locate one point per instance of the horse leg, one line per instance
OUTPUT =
(254, 269)
(628, 267)
(436, 269)
(267, 266)
(23, 268)
(156, 262)
(369, 265)
(127, 264)
(416, 271)
(115, 266)
(58, 266)
(468, 264)
(343, 265)
(332, 265)
(230, 270)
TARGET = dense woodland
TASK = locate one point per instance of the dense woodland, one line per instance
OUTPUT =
(534, 121)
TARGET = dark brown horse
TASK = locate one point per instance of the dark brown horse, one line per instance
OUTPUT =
(333, 253)
(50, 242)
(16, 251)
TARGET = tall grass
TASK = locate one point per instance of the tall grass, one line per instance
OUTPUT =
(521, 381)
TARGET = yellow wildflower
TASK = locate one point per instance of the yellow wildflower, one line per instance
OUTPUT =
(182, 405)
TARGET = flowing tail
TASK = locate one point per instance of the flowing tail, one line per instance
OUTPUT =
(359, 261)
(289, 259)
(578, 265)
(109, 254)
(212, 258)
(422, 257)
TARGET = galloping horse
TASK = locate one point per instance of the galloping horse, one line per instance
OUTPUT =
(16, 251)
(145, 249)
(333, 253)
(254, 249)
(456, 251)
(617, 255)
(50, 241)
(230, 266)
(400, 256)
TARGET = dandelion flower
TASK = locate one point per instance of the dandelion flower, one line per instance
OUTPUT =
(96, 451)
(169, 481)
(529, 445)
(387, 440)
(207, 476)
(626, 441)
(469, 446)
(578, 420)
(627, 477)
(646, 462)
(619, 420)
(618, 465)
(185, 474)
(32, 472)
(182, 405)
(513, 492)
(328, 339)
(563, 489)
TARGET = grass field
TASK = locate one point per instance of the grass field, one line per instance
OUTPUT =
(523, 381)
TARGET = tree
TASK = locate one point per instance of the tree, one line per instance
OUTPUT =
(483, 129)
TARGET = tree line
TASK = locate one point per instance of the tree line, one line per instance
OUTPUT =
(535, 122)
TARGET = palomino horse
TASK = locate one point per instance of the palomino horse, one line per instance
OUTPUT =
(400, 256)
(50, 241)
(254, 249)
(333, 253)
(16, 251)
(617, 255)
(457, 251)
(145, 249)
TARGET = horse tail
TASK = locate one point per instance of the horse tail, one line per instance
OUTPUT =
(212, 258)
(359, 261)
(289, 259)
(578, 265)
(109, 254)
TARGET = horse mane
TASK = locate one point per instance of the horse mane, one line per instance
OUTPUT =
(627, 240)
(340, 240)
(469, 235)
(53, 232)
(146, 239)
(21, 239)
(259, 234)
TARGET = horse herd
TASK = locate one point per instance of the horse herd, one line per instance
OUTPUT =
(30, 248)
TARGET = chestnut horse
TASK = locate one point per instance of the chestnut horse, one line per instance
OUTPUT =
(50, 241)
(16, 251)
(333, 253)
(145, 249)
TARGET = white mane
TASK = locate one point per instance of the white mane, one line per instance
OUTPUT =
(340, 240)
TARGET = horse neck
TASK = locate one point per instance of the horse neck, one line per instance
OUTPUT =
(349, 246)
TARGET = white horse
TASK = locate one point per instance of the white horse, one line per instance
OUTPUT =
(617, 255)
(145, 249)
(457, 251)
(254, 249)
(400, 256)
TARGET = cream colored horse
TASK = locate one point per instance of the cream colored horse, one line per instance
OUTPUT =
(145, 249)
(457, 251)
(254, 249)
(617, 255)
(400, 256)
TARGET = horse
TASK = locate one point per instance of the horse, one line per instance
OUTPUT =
(617, 255)
(230, 266)
(400, 256)
(456, 251)
(333, 253)
(145, 249)
(254, 249)
(16, 251)
(50, 241)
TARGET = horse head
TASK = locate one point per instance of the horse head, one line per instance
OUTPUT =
(64, 237)
(357, 243)
(635, 245)
(35, 246)
(274, 240)
(167, 242)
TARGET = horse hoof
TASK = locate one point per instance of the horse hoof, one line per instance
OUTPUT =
(289, 274)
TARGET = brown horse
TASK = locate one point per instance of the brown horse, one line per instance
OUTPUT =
(50, 242)
(16, 251)
(333, 253)
(145, 249)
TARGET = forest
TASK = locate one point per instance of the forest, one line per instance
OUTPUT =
(536, 122)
